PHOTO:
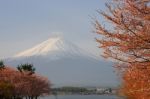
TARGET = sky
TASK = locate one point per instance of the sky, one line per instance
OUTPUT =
(25, 23)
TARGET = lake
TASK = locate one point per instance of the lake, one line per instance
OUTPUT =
(83, 97)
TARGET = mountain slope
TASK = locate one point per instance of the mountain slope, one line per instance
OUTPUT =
(54, 47)
(66, 64)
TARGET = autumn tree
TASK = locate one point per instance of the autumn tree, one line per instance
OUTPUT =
(6, 89)
(30, 84)
(7, 77)
(126, 39)
(136, 83)
(22, 83)
(38, 86)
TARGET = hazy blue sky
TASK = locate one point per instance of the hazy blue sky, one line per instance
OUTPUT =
(24, 23)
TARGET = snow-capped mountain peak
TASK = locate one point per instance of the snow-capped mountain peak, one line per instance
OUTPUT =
(64, 63)
(43, 48)
(54, 47)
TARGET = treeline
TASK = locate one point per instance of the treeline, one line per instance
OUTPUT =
(22, 82)
(81, 90)
(70, 89)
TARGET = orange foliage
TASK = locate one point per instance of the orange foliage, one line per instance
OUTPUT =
(136, 83)
(127, 40)
(21, 84)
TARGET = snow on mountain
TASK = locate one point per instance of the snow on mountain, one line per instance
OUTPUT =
(66, 64)
(56, 47)
(41, 49)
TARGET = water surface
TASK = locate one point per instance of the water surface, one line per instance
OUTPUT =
(83, 97)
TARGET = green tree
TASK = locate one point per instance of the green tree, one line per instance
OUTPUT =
(2, 66)
(26, 68)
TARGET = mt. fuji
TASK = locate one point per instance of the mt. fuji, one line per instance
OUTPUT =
(55, 47)
(66, 64)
